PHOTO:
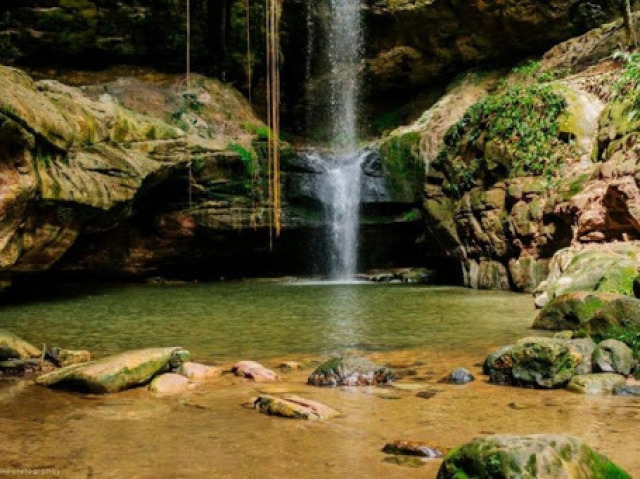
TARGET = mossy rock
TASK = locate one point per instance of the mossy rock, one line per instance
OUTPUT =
(115, 373)
(13, 347)
(535, 456)
(350, 371)
(593, 313)
(545, 363)
(595, 270)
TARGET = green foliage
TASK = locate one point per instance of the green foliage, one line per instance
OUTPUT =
(251, 164)
(514, 132)
(627, 88)
(261, 131)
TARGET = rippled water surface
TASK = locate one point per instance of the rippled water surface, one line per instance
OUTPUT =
(421, 332)
(272, 319)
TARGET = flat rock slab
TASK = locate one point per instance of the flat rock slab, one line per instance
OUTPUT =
(548, 456)
(13, 347)
(595, 383)
(254, 370)
(169, 384)
(198, 372)
(294, 407)
(415, 448)
(350, 371)
(116, 373)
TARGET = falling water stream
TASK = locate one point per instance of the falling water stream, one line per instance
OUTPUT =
(341, 185)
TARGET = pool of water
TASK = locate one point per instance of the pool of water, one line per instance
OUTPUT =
(271, 319)
(209, 432)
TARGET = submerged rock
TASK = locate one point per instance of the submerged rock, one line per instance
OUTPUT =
(350, 371)
(595, 383)
(294, 407)
(626, 390)
(116, 373)
(415, 448)
(13, 347)
(169, 384)
(613, 356)
(66, 357)
(528, 456)
(459, 376)
(198, 372)
(289, 366)
(254, 370)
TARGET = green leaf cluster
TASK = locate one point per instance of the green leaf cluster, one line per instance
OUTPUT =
(512, 132)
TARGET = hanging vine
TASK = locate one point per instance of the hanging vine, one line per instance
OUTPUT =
(273, 113)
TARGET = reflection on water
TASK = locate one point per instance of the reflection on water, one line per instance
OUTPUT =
(266, 319)
(422, 332)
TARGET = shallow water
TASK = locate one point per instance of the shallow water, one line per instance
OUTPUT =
(422, 332)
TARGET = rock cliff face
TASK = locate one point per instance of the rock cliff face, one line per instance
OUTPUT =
(138, 174)
(541, 160)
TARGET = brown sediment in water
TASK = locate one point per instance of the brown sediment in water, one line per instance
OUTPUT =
(207, 433)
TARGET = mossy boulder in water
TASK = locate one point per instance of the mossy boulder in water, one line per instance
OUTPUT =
(513, 457)
(591, 312)
(545, 363)
(350, 371)
(116, 373)
(542, 363)
(13, 347)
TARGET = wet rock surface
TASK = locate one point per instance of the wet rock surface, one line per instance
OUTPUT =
(254, 371)
(293, 407)
(350, 371)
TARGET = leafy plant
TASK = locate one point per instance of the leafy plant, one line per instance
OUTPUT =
(514, 132)
(627, 87)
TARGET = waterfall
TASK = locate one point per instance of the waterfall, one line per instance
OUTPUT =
(343, 180)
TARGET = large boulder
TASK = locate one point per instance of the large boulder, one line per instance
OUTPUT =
(591, 312)
(513, 457)
(13, 347)
(606, 270)
(115, 373)
(350, 371)
(542, 363)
